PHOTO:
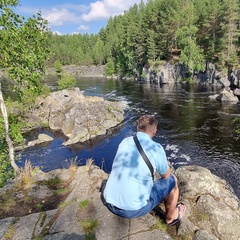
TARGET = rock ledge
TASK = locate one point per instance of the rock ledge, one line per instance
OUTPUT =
(212, 211)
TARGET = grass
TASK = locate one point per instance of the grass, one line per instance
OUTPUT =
(199, 216)
(83, 204)
(61, 191)
(90, 236)
(161, 225)
(89, 225)
(86, 217)
(8, 235)
(39, 206)
(26, 176)
(63, 204)
(89, 163)
(73, 164)
(38, 238)
(17, 202)
(7, 201)
(54, 181)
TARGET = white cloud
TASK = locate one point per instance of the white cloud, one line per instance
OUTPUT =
(98, 11)
(83, 27)
(74, 7)
(78, 14)
(60, 16)
(106, 8)
(57, 33)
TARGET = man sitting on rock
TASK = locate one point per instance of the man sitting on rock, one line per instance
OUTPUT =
(130, 191)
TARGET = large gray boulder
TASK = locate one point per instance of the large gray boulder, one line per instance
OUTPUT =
(211, 202)
(79, 117)
(226, 96)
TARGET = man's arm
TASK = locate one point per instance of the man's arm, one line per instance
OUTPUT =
(167, 174)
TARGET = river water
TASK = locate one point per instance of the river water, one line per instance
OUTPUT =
(192, 129)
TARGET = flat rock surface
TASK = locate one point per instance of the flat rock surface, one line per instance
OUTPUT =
(209, 215)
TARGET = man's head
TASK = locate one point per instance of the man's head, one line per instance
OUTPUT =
(147, 124)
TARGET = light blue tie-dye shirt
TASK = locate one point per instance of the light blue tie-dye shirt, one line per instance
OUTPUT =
(130, 182)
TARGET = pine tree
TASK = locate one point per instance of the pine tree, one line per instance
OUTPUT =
(230, 15)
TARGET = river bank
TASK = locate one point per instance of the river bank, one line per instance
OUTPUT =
(80, 71)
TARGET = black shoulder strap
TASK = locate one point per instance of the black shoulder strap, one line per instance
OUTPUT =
(144, 156)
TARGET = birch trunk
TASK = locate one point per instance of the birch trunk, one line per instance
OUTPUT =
(8, 139)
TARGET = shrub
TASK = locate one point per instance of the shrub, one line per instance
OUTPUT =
(109, 69)
(66, 81)
(6, 170)
(58, 66)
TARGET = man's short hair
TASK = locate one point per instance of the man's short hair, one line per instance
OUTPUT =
(146, 122)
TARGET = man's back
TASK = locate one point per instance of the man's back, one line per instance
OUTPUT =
(130, 190)
(130, 181)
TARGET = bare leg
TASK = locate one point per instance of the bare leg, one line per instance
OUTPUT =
(170, 202)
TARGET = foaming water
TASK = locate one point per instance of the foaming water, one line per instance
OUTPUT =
(192, 129)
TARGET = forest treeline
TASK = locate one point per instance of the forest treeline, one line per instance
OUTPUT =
(193, 32)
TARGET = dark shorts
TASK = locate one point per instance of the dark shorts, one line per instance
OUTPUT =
(161, 188)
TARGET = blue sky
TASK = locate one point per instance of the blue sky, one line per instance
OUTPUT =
(75, 16)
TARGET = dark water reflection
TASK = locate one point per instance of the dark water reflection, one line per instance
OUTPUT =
(192, 129)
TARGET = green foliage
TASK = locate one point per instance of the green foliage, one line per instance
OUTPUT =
(10, 232)
(98, 53)
(39, 206)
(89, 225)
(144, 76)
(38, 238)
(54, 181)
(58, 66)
(83, 204)
(23, 52)
(109, 67)
(61, 191)
(160, 225)
(152, 52)
(236, 124)
(191, 54)
(6, 172)
(5, 166)
(64, 204)
(75, 49)
(66, 81)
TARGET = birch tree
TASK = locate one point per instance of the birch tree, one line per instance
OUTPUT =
(23, 52)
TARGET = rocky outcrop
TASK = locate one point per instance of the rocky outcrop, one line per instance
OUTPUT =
(226, 96)
(81, 71)
(79, 117)
(212, 211)
(42, 138)
(211, 205)
(166, 73)
(177, 72)
(169, 73)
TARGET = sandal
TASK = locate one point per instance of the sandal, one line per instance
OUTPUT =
(175, 221)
